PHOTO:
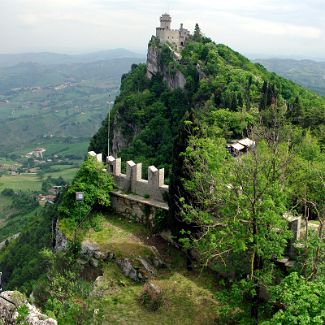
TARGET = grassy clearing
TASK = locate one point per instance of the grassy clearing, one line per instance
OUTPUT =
(185, 300)
(67, 174)
(23, 182)
(31, 182)
(119, 236)
(188, 296)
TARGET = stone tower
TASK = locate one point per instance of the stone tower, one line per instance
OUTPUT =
(165, 34)
(165, 21)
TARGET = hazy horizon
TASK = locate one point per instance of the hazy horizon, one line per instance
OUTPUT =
(256, 28)
(143, 53)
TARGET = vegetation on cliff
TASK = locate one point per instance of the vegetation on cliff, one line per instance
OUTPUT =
(227, 211)
(231, 210)
(146, 115)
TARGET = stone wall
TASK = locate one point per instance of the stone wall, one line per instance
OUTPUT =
(135, 198)
(132, 182)
(98, 157)
(141, 210)
(165, 34)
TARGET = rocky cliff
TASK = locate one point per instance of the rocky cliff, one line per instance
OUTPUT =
(14, 309)
(173, 80)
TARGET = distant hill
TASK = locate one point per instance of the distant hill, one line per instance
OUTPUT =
(308, 73)
(46, 58)
(40, 75)
(40, 103)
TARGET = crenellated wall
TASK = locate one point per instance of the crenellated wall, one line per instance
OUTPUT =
(132, 181)
(99, 156)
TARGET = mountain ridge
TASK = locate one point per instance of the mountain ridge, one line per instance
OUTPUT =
(47, 58)
(307, 73)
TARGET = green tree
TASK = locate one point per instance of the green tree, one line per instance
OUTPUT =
(307, 171)
(299, 302)
(197, 35)
(96, 185)
(238, 207)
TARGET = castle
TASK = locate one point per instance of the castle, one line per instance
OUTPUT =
(173, 36)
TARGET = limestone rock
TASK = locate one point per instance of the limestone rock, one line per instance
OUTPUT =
(94, 262)
(146, 269)
(4, 243)
(128, 269)
(61, 241)
(173, 81)
(156, 260)
(88, 249)
(36, 318)
(10, 301)
(98, 289)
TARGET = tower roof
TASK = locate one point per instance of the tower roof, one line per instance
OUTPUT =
(165, 17)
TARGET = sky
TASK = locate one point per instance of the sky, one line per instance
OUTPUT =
(264, 28)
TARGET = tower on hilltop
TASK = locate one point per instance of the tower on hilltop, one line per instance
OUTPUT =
(165, 21)
(175, 37)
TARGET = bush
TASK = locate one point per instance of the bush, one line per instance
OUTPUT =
(8, 192)
(151, 297)
(96, 185)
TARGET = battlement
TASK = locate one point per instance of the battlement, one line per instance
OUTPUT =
(98, 157)
(132, 181)
(165, 34)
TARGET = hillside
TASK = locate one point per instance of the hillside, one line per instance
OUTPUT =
(238, 245)
(307, 73)
(147, 113)
(181, 113)
(45, 104)
(48, 58)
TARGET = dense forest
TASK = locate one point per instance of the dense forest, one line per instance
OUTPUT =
(227, 212)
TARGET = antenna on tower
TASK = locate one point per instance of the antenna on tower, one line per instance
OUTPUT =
(168, 6)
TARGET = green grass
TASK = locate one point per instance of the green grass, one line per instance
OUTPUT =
(16, 222)
(21, 182)
(32, 182)
(67, 174)
(5, 209)
(64, 149)
(118, 236)
(188, 296)
(186, 301)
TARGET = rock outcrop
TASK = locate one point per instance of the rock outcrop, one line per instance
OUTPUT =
(173, 80)
(91, 253)
(61, 241)
(11, 302)
(6, 242)
(128, 270)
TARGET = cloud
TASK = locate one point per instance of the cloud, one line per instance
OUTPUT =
(280, 29)
(243, 24)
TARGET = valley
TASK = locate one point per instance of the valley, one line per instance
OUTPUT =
(54, 103)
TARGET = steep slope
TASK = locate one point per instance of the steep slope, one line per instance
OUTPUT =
(146, 114)
(208, 93)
